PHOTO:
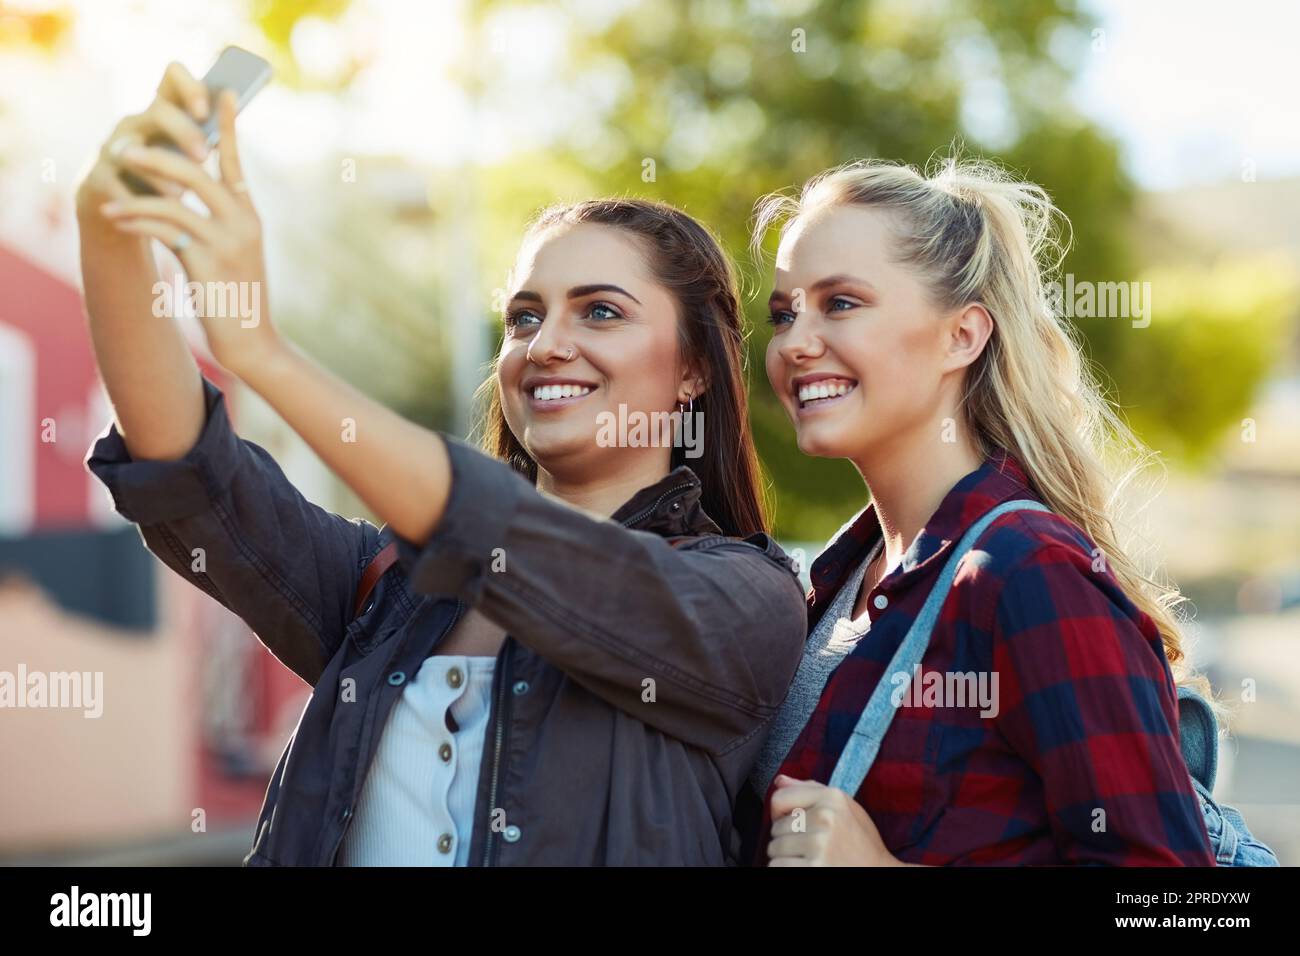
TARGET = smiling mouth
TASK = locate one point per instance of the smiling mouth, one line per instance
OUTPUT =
(825, 391)
(553, 397)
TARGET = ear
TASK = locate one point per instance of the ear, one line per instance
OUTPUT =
(694, 383)
(968, 333)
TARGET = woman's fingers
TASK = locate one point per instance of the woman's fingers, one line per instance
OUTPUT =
(179, 127)
(784, 825)
(166, 164)
(180, 88)
(173, 237)
(790, 846)
(181, 99)
(171, 211)
(232, 171)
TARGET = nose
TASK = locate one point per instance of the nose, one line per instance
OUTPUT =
(551, 343)
(801, 342)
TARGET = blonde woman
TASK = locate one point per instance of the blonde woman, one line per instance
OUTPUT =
(1039, 724)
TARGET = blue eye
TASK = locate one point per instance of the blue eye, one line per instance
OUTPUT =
(779, 318)
(841, 301)
(603, 312)
(522, 317)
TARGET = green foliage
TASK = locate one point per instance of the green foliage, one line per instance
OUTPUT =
(1214, 334)
(732, 99)
(716, 94)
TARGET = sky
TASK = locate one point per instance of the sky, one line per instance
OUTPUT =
(1195, 88)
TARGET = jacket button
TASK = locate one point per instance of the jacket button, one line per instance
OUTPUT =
(445, 753)
(454, 677)
(677, 506)
(511, 834)
(444, 843)
(396, 678)
(520, 688)
(347, 812)
(880, 601)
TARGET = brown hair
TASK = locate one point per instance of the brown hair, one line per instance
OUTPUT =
(689, 262)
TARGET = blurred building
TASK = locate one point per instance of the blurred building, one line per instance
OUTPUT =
(194, 710)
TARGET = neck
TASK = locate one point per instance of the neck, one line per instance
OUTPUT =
(909, 479)
(605, 492)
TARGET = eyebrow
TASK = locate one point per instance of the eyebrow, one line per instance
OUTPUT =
(820, 284)
(577, 292)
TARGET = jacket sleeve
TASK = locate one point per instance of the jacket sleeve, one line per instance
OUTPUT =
(699, 642)
(1087, 699)
(225, 518)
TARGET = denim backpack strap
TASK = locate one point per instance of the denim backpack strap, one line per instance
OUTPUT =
(1198, 736)
(864, 743)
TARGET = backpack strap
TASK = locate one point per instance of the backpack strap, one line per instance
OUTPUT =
(1198, 736)
(376, 568)
(864, 743)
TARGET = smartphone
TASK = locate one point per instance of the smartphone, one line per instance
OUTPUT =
(236, 69)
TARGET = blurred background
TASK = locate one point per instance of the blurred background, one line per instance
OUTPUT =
(395, 159)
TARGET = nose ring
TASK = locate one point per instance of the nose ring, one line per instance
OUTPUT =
(569, 353)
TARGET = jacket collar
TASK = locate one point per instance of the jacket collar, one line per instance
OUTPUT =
(1000, 478)
(670, 507)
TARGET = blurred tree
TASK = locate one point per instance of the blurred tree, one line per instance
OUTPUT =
(726, 100)
(1215, 334)
(734, 98)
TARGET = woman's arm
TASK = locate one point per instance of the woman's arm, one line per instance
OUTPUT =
(397, 468)
(225, 518)
(700, 642)
(214, 508)
(1086, 699)
(145, 363)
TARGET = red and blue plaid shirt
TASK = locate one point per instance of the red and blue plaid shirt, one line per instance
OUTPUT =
(1080, 763)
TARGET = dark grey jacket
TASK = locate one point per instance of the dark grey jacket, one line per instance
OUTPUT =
(629, 699)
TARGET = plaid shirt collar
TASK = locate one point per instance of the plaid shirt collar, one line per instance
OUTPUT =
(1000, 478)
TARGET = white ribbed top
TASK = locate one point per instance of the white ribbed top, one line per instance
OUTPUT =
(417, 803)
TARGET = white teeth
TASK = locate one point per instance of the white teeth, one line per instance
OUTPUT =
(825, 389)
(546, 393)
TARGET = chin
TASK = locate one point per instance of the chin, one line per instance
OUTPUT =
(823, 443)
(556, 445)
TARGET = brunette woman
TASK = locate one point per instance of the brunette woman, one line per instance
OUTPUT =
(575, 656)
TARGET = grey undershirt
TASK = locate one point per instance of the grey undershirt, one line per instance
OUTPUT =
(834, 637)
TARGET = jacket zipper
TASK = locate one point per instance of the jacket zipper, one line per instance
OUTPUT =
(356, 784)
(646, 512)
(501, 701)
(496, 751)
